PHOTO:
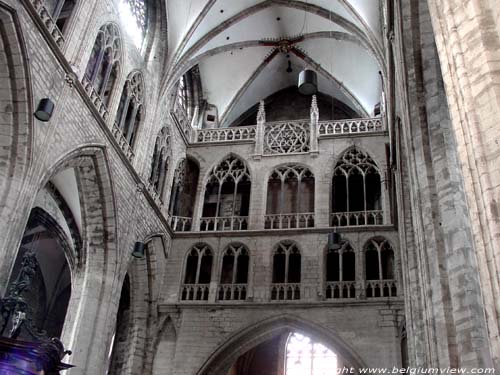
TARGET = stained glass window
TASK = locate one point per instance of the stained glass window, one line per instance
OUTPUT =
(304, 356)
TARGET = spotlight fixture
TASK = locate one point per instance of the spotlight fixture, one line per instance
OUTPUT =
(289, 69)
(308, 82)
(139, 250)
(334, 241)
(44, 110)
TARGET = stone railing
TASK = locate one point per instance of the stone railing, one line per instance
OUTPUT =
(285, 291)
(222, 223)
(95, 98)
(351, 126)
(122, 141)
(241, 133)
(195, 292)
(154, 194)
(180, 223)
(381, 288)
(232, 292)
(289, 221)
(48, 21)
(340, 289)
(357, 218)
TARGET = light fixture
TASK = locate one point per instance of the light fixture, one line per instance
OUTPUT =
(334, 241)
(139, 250)
(44, 110)
(308, 82)
(289, 69)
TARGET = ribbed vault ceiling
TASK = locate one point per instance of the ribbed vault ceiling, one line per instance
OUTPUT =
(236, 44)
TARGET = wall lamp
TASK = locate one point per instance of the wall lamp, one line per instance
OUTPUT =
(139, 250)
(44, 110)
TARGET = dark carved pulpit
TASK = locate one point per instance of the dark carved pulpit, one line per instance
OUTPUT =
(37, 355)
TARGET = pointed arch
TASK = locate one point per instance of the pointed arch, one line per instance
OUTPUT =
(223, 358)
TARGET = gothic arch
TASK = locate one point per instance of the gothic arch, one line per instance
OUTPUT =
(221, 360)
(17, 109)
(206, 177)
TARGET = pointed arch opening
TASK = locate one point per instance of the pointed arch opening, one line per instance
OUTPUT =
(287, 269)
(234, 273)
(380, 270)
(197, 274)
(227, 196)
(356, 191)
(160, 163)
(341, 272)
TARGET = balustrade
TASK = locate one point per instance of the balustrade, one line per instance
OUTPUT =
(122, 141)
(182, 118)
(95, 98)
(351, 126)
(357, 218)
(340, 289)
(195, 292)
(289, 221)
(241, 133)
(222, 223)
(232, 292)
(48, 21)
(381, 288)
(180, 223)
(285, 291)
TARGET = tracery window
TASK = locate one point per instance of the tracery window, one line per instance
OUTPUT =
(134, 14)
(130, 109)
(356, 190)
(286, 272)
(290, 198)
(380, 265)
(183, 193)
(341, 272)
(102, 68)
(198, 273)
(182, 95)
(234, 273)
(304, 356)
(60, 11)
(160, 161)
(227, 196)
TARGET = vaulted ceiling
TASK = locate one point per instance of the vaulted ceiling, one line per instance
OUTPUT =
(243, 47)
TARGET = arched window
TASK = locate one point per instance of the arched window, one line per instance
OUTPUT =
(304, 356)
(290, 198)
(380, 268)
(41, 275)
(356, 189)
(234, 273)
(160, 161)
(130, 109)
(227, 196)
(135, 15)
(60, 11)
(341, 272)
(183, 195)
(286, 272)
(198, 274)
(102, 68)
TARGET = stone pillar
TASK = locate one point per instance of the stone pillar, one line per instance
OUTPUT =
(259, 136)
(313, 126)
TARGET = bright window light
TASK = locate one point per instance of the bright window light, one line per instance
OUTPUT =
(134, 22)
(306, 357)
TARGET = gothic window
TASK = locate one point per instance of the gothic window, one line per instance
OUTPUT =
(130, 109)
(356, 190)
(341, 272)
(184, 186)
(234, 273)
(102, 68)
(304, 356)
(60, 11)
(182, 95)
(380, 266)
(286, 271)
(160, 161)
(44, 246)
(197, 274)
(227, 195)
(290, 198)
